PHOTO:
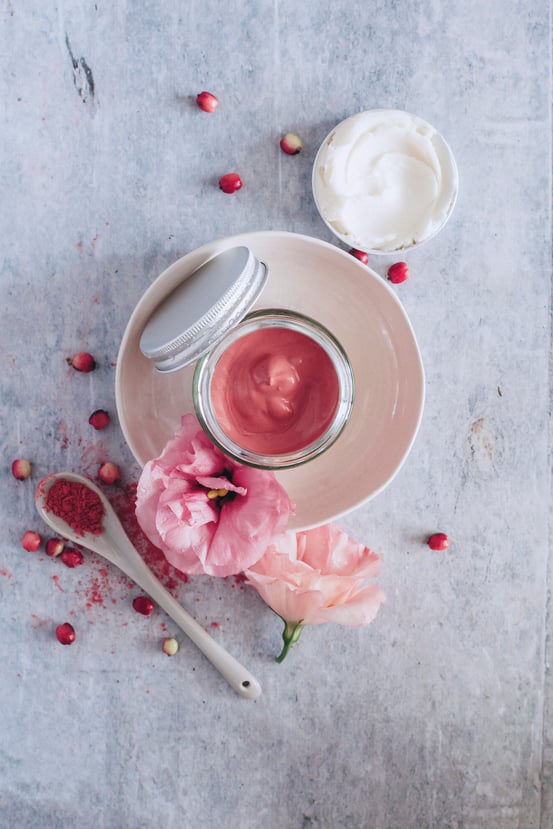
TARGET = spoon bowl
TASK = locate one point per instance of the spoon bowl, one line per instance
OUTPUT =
(113, 544)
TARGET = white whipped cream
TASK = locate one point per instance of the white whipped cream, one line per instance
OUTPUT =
(384, 180)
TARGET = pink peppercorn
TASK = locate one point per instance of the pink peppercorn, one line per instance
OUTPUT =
(144, 605)
(438, 541)
(398, 272)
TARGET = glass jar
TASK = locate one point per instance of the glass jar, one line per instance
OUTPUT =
(276, 391)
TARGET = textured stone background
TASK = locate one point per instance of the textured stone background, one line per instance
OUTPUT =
(439, 714)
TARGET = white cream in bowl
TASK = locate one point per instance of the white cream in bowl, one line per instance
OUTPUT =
(384, 180)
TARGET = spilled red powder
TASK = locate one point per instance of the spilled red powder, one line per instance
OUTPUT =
(77, 505)
(124, 503)
(63, 434)
(215, 624)
(5, 572)
(93, 244)
(92, 455)
(56, 580)
(97, 588)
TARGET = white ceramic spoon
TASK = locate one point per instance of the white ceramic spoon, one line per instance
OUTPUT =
(114, 545)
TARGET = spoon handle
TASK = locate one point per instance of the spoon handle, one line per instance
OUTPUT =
(236, 675)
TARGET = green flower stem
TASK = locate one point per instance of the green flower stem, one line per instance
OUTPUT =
(290, 634)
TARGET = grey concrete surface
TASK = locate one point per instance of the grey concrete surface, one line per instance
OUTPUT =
(438, 715)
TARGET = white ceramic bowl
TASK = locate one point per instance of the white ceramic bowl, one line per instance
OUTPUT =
(315, 278)
(419, 138)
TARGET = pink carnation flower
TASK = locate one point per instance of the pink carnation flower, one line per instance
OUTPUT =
(317, 576)
(206, 512)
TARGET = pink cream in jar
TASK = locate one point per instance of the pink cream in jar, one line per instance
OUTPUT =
(276, 392)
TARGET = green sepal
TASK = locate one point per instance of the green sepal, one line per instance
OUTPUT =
(290, 634)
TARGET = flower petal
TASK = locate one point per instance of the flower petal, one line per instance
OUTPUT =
(289, 603)
(190, 453)
(264, 512)
(331, 550)
(360, 609)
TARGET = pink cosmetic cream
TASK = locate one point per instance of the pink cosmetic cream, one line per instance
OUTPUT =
(274, 391)
(272, 388)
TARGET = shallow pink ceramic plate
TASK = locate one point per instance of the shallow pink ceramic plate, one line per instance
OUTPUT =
(360, 309)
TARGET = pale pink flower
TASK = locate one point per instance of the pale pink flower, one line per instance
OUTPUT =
(206, 512)
(317, 576)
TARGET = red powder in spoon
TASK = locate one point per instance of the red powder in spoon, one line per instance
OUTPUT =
(77, 505)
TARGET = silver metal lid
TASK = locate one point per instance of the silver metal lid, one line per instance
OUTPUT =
(198, 313)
